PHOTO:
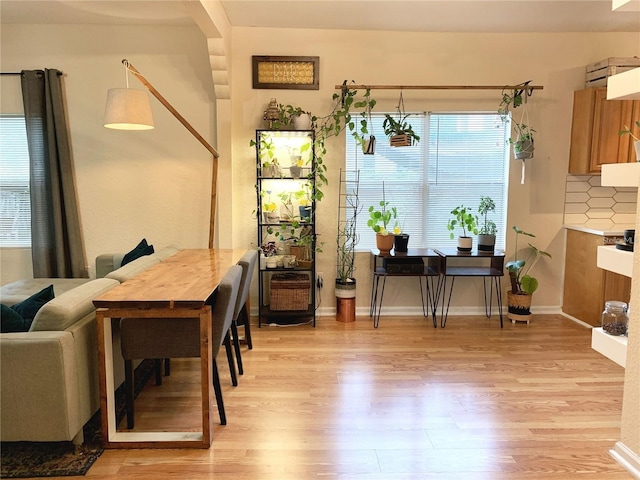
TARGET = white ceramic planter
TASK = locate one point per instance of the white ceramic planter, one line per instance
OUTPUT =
(465, 244)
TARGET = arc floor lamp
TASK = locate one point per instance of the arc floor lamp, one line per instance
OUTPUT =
(129, 109)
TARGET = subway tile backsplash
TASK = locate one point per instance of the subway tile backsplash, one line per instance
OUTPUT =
(591, 205)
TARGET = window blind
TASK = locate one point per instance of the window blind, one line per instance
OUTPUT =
(15, 212)
(460, 157)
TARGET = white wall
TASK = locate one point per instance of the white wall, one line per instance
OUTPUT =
(556, 61)
(130, 185)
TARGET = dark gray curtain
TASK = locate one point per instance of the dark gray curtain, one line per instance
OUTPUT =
(56, 238)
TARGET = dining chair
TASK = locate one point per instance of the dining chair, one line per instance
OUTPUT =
(241, 315)
(180, 338)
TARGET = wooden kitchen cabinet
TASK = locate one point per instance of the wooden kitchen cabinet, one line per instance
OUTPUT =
(594, 131)
(586, 286)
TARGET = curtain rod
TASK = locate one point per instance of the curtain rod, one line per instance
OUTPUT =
(442, 87)
(20, 73)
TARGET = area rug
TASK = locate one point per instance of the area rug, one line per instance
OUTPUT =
(63, 459)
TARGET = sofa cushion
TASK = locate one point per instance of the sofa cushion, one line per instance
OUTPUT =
(140, 250)
(28, 308)
(66, 309)
(19, 290)
(132, 269)
(11, 321)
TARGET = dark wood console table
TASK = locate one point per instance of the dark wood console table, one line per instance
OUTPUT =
(487, 265)
(399, 264)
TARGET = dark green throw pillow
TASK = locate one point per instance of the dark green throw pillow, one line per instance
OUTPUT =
(11, 321)
(28, 308)
(140, 250)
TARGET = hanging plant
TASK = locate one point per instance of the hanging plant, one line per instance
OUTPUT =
(399, 131)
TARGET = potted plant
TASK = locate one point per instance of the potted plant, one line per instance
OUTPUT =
(399, 131)
(379, 218)
(522, 283)
(269, 208)
(347, 239)
(468, 222)
(488, 230)
(522, 143)
(401, 239)
(636, 140)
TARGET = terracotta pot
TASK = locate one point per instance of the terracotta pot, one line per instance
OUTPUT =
(384, 242)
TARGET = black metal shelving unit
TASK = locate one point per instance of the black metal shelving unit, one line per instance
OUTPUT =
(287, 224)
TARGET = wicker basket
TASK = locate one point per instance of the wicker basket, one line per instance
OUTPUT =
(400, 140)
(290, 291)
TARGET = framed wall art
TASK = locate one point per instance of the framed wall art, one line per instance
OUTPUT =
(290, 73)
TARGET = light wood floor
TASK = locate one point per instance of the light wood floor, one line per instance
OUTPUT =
(405, 401)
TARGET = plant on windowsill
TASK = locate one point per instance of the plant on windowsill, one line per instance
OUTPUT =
(522, 284)
(636, 140)
(468, 222)
(488, 230)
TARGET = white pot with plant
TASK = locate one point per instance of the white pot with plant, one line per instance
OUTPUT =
(635, 137)
(522, 283)
(488, 230)
(468, 222)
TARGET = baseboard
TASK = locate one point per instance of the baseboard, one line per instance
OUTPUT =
(627, 458)
(415, 311)
(578, 321)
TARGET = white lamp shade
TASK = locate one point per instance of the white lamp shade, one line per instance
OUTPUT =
(128, 109)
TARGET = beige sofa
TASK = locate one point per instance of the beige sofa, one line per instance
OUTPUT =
(49, 375)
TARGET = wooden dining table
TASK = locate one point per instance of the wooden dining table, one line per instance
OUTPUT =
(177, 287)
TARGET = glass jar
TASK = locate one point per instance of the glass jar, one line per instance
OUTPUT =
(614, 318)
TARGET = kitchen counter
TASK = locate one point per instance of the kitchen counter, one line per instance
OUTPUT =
(615, 231)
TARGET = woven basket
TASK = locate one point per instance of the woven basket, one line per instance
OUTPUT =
(519, 303)
(290, 291)
(400, 141)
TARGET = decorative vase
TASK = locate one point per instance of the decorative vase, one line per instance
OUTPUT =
(271, 114)
(305, 213)
(486, 243)
(465, 244)
(295, 171)
(346, 300)
(302, 121)
(401, 242)
(636, 145)
(384, 242)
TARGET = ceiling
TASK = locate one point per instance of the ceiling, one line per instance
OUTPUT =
(399, 15)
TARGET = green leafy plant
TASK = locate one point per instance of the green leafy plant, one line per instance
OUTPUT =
(486, 206)
(464, 219)
(379, 218)
(399, 126)
(627, 131)
(521, 282)
(522, 132)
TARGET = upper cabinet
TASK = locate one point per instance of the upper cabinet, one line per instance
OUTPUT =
(594, 131)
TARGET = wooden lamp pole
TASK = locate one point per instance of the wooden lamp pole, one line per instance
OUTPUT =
(207, 145)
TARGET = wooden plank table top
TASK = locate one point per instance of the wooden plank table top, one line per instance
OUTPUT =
(184, 280)
(177, 287)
